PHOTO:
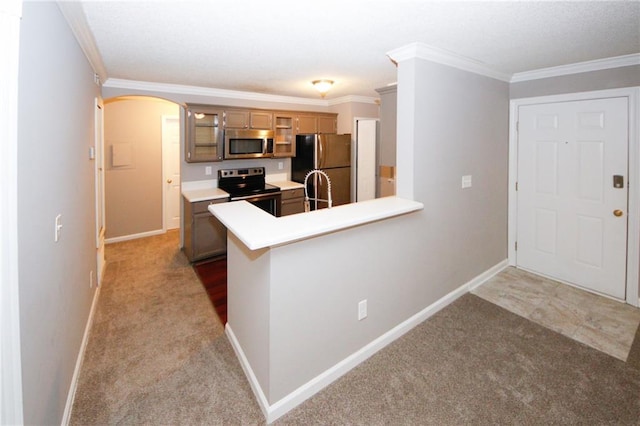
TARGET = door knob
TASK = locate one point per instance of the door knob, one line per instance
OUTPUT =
(169, 181)
(617, 213)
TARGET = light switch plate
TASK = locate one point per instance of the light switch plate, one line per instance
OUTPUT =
(58, 228)
(362, 309)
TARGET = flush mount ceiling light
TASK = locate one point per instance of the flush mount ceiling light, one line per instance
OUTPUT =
(322, 86)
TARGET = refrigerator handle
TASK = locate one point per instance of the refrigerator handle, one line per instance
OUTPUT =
(320, 152)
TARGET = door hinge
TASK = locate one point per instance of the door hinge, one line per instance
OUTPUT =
(517, 126)
(516, 246)
(516, 186)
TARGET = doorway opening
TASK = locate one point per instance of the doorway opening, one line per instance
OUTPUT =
(142, 139)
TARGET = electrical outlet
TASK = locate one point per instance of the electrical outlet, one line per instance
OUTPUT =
(207, 170)
(280, 165)
(362, 309)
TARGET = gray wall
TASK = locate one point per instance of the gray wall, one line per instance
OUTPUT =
(583, 82)
(133, 194)
(349, 111)
(453, 123)
(388, 125)
(55, 176)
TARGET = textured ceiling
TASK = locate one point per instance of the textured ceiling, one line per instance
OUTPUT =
(277, 47)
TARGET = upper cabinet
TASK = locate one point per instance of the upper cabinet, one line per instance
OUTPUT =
(205, 125)
(247, 119)
(284, 135)
(306, 123)
(317, 123)
(204, 133)
(328, 123)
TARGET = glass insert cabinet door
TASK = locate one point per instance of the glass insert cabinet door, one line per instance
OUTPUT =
(204, 134)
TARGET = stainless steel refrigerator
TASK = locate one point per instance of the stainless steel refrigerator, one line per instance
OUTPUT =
(330, 153)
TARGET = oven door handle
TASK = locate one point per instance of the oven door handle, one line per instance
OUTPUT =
(256, 196)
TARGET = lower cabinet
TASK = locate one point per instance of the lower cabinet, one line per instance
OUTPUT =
(292, 201)
(204, 235)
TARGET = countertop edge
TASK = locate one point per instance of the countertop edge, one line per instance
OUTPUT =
(197, 195)
(258, 229)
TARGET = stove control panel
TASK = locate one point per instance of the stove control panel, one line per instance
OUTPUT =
(253, 171)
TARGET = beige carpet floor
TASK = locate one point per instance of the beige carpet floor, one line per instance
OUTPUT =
(157, 355)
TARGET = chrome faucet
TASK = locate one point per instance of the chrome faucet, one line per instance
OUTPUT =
(307, 205)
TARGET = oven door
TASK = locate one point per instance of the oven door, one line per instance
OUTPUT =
(270, 203)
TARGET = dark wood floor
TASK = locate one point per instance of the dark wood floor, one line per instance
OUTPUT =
(213, 276)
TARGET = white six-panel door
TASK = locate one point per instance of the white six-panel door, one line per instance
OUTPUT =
(171, 171)
(572, 219)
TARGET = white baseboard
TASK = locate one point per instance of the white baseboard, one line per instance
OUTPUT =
(134, 236)
(248, 371)
(486, 275)
(76, 372)
(276, 410)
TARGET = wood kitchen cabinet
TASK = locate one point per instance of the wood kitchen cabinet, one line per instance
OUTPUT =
(248, 119)
(317, 123)
(327, 124)
(292, 201)
(306, 124)
(204, 235)
(204, 133)
(284, 135)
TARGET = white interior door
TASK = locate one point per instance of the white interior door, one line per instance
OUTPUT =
(572, 218)
(366, 160)
(171, 170)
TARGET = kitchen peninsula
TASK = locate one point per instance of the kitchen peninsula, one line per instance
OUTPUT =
(299, 287)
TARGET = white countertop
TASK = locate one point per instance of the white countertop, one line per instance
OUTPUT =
(207, 190)
(258, 229)
(203, 194)
(287, 184)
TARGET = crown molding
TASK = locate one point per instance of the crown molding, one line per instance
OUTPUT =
(445, 57)
(578, 67)
(353, 99)
(74, 15)
(147, 86)
(390, 88)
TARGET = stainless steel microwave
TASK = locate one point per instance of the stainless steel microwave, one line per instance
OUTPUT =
(245, 143)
